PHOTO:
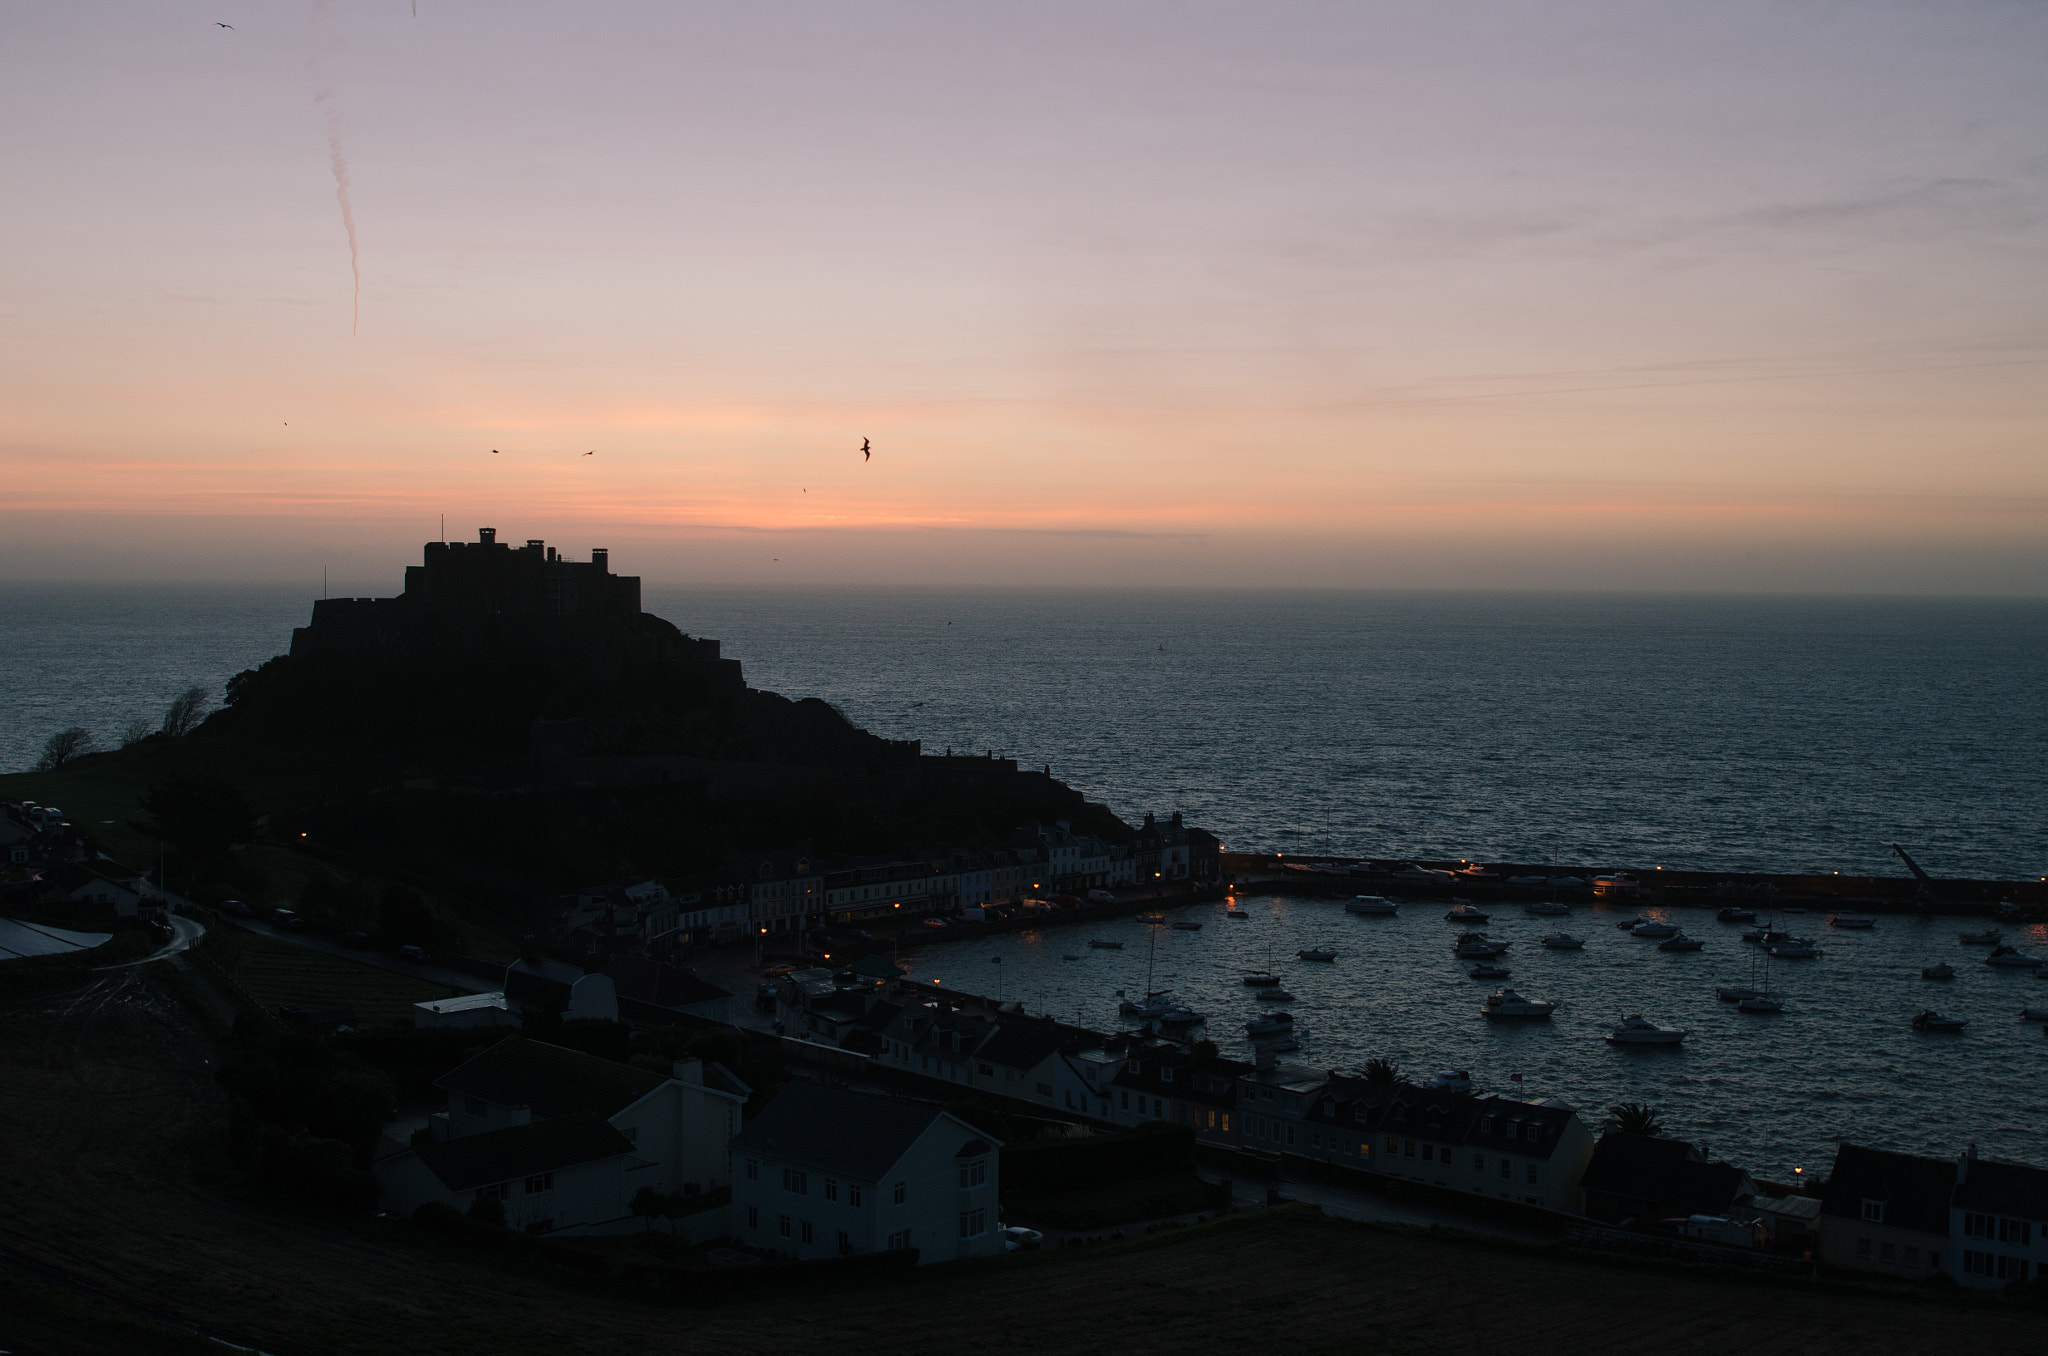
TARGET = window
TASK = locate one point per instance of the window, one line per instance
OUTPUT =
(1977, 1226)
(897, 1242)
(753, 1217)
(1863, 1250)
(536, 1185)
(987, 1070)
(795, 1182)
(845, 1243)
(1974, 1263)
(2015, 1231)
(1364, 1149)
(1408, 1149)
(2012, 1268)
(1124, 1100)
(805, 1227)
(1226, 1122)
(1873, 1210)
(1393, 1145)
(899, 1192)
(973, 1223)
(782, 1226)
(632, 1134)
(1428, 1153)
(853, 1196)
(973, 1173)
(1529, 1174)
(753, 1171)
(495, 1193)
(1507, 1170)
(1290, 1135)
(1479, 1162)
(831, 1190)
(1486, 1125)
(1045, 1089)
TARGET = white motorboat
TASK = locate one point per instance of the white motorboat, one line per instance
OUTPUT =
(1793, 948)
(1488, 970)
(1274, 996)
(1931, 1020)
(1632, 924)
(1678, 941)
(1260, 979)
(1988, 937)
(1317, 953)
(1270, 1024)
(1564, 941)
(1732, 914)
(2011, 958)
(1761, 1003)
(1478, 946)
(1854, 921)
(2034, 1014)
(1505, 1005)
(1635, 1029)
(1653, 929)
(1450, 1080)
(1180, 1018)
(1372, 906)
(1549, 908)
(1465, 913)
(1938, 970)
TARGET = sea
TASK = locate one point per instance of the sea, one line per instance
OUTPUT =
(1794, 734)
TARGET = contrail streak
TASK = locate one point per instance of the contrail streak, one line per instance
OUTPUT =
(337, 160)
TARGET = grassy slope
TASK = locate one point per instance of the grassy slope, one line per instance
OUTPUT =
(109, 1100)
(277, 973)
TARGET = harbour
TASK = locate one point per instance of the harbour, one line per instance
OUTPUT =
(1776, 1091)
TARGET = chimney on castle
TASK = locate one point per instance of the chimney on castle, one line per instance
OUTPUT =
(601, 558)
(486, 536)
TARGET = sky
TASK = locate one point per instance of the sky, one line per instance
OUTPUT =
(1614, 295)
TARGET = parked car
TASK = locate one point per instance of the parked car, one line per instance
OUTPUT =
(285, 918)
(1017, 1236)
(413, 953)
(235, 908)
(935, 922)
(1101, 897)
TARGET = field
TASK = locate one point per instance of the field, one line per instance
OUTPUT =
(276, 973)
(115, 1194)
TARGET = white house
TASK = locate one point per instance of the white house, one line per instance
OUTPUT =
(551, 986)
(1998, 1222)
(668, 1132)
(825, 1172)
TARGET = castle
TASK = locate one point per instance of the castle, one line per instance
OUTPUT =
(487, 600)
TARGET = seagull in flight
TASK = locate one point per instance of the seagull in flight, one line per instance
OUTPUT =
(494, 451)
(867, 451)
(218, 24)
(591, 453)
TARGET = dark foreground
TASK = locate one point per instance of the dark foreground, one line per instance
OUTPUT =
(121, 1234)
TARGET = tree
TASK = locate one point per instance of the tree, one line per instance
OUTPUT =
(648, 1203)
(1379, 1070)
(186, 712)
(63, 747)
(1635, 1118)
(202, 817)
(138, 730)
(490, 1210)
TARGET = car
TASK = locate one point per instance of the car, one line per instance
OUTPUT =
(235, 908)
(1101, 897)
(413, 953)
(935, 922)
(285, 918)
(1017, 1236)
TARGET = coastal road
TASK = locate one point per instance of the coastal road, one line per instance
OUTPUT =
(1345, 1202)
(185, 934)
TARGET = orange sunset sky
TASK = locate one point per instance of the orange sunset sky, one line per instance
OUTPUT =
(1573, 295)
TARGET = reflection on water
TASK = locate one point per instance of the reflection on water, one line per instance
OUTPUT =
(1772, 1093)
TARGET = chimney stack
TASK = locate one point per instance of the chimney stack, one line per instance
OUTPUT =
(1963, 1161)
(487, 536)
(601, 558)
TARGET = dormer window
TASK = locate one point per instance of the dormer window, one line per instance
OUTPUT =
(1486, 1125)
(1873, 1210)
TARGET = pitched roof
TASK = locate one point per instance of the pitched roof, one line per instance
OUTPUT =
(553, 1081)
(1915, 1190)
(664, 986)
(522, 1150)
(2006, 1188)
(853, 1134)
(1667, 1173)
(1022, 1046)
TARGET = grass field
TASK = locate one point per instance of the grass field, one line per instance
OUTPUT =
(111, 1117)
(276, 973)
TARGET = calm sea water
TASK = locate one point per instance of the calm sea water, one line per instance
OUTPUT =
(1756, 733)
(1771, 734)
(1772, 1093)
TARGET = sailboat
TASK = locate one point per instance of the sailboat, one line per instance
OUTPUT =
(1155, 1004)
(1762, 1002)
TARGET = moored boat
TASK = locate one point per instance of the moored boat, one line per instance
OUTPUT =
(1505, 1005)
(1736, 993)
(1678, 941)
(1488, 970)
(2012, 958)
(1564, 941)
(1098, 944)
(2034, 1014)
(1259, 979)
(1793, 948)
(1186, 925)
(1478, 946)
(1153, 1005)
(1761, 1003)
(1654, 928)
(1732, 914)
(1465, 913)
(1853, 921)
(1635, 1029)
(1938, 970)
(1372, 906)
(1274, 996)
(1270, 1024)
(1548, 908)
(1988, 937)
(1930, 1020)
(1235, 912)
(1316, 953)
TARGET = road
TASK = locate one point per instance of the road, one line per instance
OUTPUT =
(185, 934)
(459, 980)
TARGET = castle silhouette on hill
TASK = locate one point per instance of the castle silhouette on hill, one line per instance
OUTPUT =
(488, 600)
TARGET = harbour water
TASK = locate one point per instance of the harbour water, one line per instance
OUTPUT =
(1771, 1093)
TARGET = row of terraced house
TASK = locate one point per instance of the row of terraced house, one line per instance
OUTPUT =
(776, 894)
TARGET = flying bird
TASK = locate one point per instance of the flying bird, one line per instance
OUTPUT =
(866, 451)
(591, 453)
(494, 451)
(218, 24)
